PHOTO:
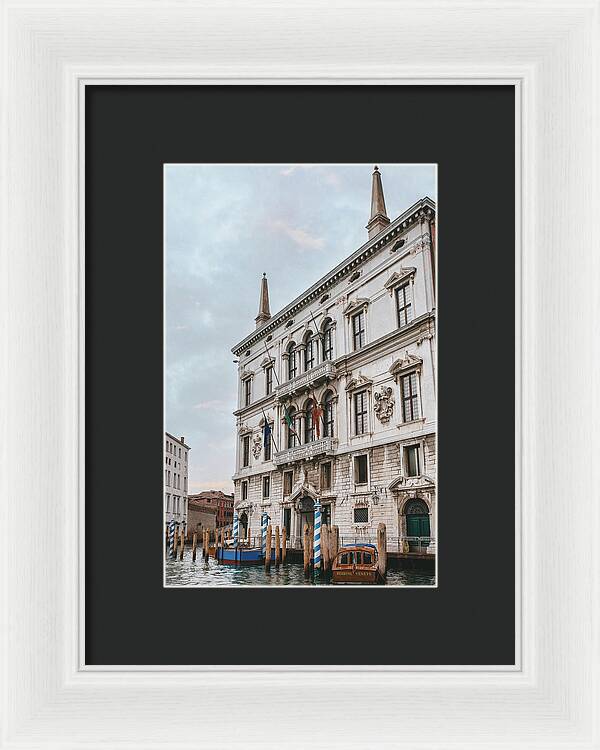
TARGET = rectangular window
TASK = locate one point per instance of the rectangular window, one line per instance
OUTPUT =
(292, 364)
(180, 453)
(268, 446)
(168, 502)
(360, 413)
(403, 305)
(361, 470)
(326, 476)
(358, 330)
(269, 381)
(309, 355)
(361, 515)
(287, 482)
(410, 398)
(247, 391)
(266, 486)
(287, 521)
(244, 490)
(246, 450)
(412, 462)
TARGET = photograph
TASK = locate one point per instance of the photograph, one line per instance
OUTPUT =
(300, 375)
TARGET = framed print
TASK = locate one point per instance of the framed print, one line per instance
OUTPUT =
(342, 260)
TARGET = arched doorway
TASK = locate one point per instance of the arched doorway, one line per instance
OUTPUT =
(306, 514)
(418, 529)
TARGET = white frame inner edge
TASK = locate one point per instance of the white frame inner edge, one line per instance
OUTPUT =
(548, 49)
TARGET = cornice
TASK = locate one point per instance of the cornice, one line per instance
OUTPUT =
(424, 207)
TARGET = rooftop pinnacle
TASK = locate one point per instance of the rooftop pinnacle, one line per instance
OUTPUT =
(264, 311)
(379, 218)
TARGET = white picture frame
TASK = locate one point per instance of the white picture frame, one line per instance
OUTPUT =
(549, 51)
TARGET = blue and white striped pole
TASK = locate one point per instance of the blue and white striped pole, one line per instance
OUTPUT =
(263, 528)
(317, 538)
(236, 528)
(172, 537)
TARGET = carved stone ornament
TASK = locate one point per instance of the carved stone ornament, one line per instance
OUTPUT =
(384, 404)
(257, 445)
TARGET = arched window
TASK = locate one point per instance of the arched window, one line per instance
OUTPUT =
(328, 340)
(292, 437)
(292, 361)
(309, 424)
(309, 352)
(328, 417)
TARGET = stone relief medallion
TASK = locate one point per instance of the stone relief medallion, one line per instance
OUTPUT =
(257, 447)
(384, 404)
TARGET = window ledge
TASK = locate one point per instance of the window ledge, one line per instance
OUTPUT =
(422, 420)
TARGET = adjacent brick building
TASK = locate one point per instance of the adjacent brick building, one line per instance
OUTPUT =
(212, 509)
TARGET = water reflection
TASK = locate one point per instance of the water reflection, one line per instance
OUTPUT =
(187, 573)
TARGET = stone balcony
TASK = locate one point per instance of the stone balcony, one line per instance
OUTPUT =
(305, 381)
(324, 447)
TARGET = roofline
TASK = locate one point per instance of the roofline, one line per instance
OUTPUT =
(177, 440)
(371, 246)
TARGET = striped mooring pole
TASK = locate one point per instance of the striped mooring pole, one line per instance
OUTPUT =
(264, 521)
(236, 528)
(317, 538)
(172, 537)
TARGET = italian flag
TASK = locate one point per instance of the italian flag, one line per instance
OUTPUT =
(289, 421)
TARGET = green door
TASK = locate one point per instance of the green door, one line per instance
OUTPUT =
(417, 526)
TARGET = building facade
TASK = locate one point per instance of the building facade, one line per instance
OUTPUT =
(200, 516)
(176, 479)
(345, 379)
(213, 502)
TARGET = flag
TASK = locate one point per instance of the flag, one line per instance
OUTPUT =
(266, 434)
(288, 420)
(317, 413)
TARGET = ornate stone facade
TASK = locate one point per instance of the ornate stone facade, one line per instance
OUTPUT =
(360, 345)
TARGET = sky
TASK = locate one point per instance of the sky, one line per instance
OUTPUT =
(224, 226)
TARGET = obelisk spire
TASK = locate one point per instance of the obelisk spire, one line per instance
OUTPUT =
(264, 311)
(379, 218)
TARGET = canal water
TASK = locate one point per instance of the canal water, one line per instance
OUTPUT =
(187, 573)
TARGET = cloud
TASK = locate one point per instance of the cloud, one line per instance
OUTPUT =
(300, 237)
(212, 405)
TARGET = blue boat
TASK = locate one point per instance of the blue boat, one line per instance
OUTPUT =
(241, 555)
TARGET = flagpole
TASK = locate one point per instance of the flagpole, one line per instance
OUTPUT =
(274, 368)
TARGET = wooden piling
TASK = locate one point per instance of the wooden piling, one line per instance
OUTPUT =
(283, 544)
(306, 550)
(268, 549)
(325, 548)
(194, 545)
(277, 547)
(334, 543)
(382, 549)
(182, 544)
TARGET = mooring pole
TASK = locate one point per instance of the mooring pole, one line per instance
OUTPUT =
(317, 537)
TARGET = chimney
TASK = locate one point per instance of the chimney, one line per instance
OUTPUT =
(264, 311)
(379, 218)
(182, 439)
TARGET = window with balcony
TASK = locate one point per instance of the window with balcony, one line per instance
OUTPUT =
(403, 305)
(360, 413)
(410, 397)
(309, 422)
(328, 415)
(291, 427)
(358, 330)
(309, 353)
